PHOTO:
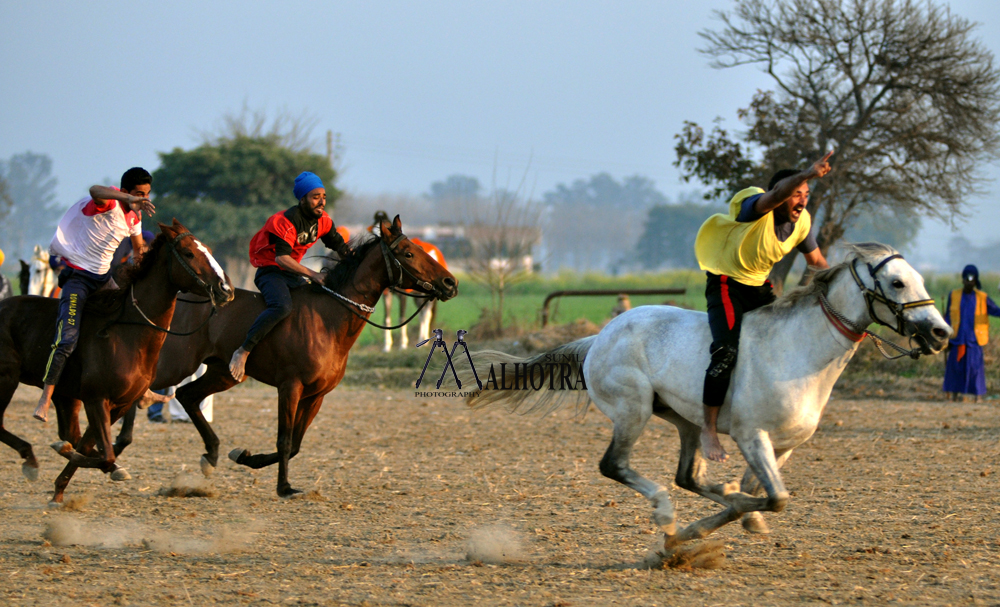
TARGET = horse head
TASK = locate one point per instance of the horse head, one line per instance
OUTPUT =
(894, 296)
(41, 279)
(197, 270)
(411, 267)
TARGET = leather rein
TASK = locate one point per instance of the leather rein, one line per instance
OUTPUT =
(388, 255)
(857, 332)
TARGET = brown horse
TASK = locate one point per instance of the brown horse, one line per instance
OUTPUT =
(116, 356)
(305, 356)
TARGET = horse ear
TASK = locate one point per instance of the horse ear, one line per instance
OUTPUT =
(384, 228)
(397, 225)
(168, 230)
(178, 226)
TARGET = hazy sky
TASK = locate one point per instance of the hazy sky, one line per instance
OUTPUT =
(417, 90)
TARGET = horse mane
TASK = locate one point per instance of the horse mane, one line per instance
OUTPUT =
(343, 272)
(864, 251)
(108, 300)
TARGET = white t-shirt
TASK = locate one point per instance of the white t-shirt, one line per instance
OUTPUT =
(90, 231)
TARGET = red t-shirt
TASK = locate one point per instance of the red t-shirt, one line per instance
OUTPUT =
(282, 227)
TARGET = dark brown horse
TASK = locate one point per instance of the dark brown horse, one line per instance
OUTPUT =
(305, 355)
(115, 359)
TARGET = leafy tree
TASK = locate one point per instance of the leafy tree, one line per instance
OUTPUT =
(454, 198)
(6, 202)
(669, 233)
(32, 214)
(899, 88)
(226, 190)
(594, 223)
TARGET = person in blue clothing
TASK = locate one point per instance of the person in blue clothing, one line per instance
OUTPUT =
(967, 311)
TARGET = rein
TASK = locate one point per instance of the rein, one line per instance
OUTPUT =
(396, 286)
(149, 323)
(856, 332)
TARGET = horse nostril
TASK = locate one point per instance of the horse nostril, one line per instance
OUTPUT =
(449, 282)
(940, 333)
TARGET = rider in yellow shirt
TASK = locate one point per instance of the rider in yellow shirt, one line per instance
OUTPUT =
(737, 250)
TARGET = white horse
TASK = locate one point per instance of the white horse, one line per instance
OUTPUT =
(651, 361)
(41, 278)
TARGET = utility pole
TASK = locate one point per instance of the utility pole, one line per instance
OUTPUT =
(329, 147)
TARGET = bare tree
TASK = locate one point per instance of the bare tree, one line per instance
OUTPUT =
(899, 88)
(287, 129)
(504, 233)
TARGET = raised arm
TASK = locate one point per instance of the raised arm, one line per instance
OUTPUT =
(784, 189)
(136, 203)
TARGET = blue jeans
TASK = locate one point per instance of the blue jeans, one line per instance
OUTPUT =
(77, 286)
(275, 285)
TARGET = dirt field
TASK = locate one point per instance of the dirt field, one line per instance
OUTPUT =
(893, 502)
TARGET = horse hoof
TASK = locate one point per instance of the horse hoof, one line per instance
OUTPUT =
(206, 468)
(63, 448)
(290, 493)
(120, 474)
(754, 523)
(237, 453)
(30, 472)
(54, 504)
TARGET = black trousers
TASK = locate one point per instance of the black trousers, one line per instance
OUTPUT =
(728, 301)
(275, 285)
(77, 286)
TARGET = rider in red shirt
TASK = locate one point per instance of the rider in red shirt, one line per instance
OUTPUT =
(277, 251)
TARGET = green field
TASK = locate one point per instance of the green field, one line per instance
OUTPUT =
(524, 301)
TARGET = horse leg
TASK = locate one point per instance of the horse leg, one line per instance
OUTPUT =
(307, 410)
(387, 304)
(67, 418)
(288, 400)
(215, 379)
(629, 422)
(426, 317)
(691, 465)
(759, 453)
(84, 445)
(30, 465)
(404, 341)
(753, 522)
(124, 438)
(99, 428)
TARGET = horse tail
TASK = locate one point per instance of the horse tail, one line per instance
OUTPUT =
(553, 365)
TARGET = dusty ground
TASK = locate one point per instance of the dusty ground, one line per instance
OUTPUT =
(893, 502)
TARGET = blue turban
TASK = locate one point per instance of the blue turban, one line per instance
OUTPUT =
(306, 182)
(147, 236)
(971, 270)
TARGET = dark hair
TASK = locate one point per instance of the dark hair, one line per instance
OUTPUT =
(135, 176)
(782, 174)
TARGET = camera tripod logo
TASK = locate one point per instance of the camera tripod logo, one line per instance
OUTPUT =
(439, 341)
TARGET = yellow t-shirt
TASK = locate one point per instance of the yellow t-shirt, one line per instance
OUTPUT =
(746, 251)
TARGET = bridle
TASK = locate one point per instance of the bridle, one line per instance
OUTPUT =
(855, 331)
(172, 244)
(395, 284)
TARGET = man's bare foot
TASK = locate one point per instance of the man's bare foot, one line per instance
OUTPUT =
(711, 447)
(237, 366)
(42, 410)
(151, 397)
